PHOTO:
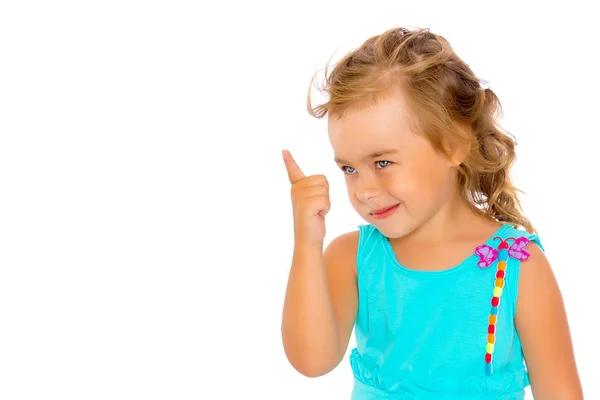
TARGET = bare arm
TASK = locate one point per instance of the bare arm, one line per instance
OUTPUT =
(544, 331)
(320, 305)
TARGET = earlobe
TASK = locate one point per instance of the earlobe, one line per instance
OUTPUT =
(460, 153)
(458, 147)
(457, 153)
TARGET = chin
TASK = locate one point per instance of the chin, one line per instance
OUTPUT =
(391, 233)
(390, 228)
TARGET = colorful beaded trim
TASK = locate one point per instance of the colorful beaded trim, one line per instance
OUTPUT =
(487, 255)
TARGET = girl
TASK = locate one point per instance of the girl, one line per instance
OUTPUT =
(448, 296)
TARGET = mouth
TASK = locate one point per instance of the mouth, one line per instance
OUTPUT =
(384, 212)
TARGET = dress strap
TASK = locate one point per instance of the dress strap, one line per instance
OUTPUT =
(505, 256)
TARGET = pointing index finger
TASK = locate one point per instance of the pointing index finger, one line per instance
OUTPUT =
(293, 170)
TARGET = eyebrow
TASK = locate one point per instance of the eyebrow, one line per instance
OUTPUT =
(370, 156)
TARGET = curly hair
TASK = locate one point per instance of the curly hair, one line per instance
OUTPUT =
(447, 100)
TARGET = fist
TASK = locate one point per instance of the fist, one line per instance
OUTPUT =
(310, 202)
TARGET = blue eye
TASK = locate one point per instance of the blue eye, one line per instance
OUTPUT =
(383, 166)
(348, 170)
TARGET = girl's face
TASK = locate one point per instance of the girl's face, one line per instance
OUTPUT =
(387, 165)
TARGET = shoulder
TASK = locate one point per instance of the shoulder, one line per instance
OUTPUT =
(342, 250)
(535, 268)
(538, 289)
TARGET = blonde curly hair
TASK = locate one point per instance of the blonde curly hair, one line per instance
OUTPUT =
(447, 100)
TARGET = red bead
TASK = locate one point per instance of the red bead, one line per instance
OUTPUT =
(503, 245)
(491, 329)
(500, 274)
(488, 358)
(495, 301)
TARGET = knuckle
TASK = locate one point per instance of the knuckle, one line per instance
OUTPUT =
(321, 179)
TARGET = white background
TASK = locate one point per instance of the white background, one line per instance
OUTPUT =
(145, 221)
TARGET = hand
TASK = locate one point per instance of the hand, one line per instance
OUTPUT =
(310, 202)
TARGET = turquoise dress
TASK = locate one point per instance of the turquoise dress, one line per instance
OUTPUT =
(439, 335)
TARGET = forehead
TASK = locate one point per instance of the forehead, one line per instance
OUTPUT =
(382, 125)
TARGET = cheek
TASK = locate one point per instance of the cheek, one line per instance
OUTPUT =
(436, 181)
(420, 181)
(350, 189)
(409, 180)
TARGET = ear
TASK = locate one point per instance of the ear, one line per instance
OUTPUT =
(458, 146)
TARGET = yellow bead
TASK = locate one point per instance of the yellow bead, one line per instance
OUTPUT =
(489, 348)
(497, 292)
(501, 265)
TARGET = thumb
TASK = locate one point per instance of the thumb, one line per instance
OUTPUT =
(293, 170)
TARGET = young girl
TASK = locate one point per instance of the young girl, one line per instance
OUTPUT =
(448, 296)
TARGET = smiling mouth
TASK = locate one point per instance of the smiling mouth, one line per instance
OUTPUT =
(384, 211)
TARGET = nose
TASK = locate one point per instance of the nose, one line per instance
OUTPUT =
(367, 188)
